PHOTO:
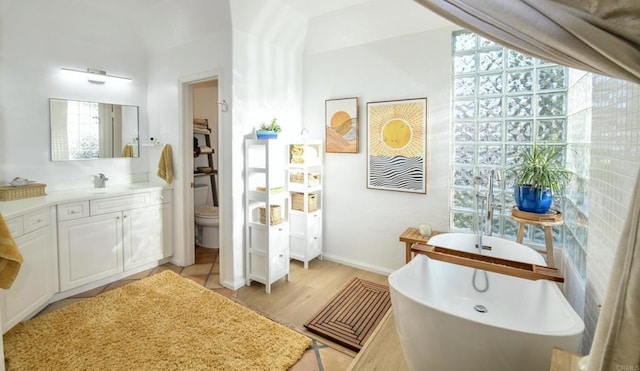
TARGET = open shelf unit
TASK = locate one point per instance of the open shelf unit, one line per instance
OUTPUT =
(304, 164)
(267, 212)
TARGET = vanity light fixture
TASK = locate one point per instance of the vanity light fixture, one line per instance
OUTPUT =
(98, 76)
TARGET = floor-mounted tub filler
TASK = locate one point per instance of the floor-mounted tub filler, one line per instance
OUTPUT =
(452, 317)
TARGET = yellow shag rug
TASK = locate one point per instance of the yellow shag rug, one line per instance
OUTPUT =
(162, 322)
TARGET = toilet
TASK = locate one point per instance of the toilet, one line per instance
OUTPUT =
(206, 217)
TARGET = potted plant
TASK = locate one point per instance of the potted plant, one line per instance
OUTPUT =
(268, 131)
(539, 175)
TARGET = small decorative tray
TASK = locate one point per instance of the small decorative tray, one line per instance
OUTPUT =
(551, 215)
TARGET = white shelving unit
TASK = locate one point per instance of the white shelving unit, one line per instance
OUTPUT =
(304, 162)
(267, 211)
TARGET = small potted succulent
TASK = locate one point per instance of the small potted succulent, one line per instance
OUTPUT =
(539, 175)
(268, 131)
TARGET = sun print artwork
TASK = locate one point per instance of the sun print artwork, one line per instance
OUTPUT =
(341, 125)
(396, 145)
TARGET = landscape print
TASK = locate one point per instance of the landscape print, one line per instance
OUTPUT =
(396, 145)
(341, 125)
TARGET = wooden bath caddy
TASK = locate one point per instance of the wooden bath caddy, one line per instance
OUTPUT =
(489, 263)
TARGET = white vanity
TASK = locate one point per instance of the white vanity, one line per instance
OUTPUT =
(77, 240)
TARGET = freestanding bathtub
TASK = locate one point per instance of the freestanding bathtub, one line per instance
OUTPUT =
(449, 318)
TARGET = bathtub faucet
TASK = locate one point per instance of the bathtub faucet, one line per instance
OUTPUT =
(485, 216)
(495, 176)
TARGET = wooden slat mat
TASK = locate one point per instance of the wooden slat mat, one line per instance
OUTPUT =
(352, 315)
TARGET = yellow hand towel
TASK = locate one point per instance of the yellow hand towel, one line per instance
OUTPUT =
(165, 165)
(127, 151)
(10, 257)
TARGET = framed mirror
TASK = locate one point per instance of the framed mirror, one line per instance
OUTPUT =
(90, 130)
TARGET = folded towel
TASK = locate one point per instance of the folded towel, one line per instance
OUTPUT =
(204, 122)
(206, 149)
(165, 165)
(127, 151)
(10, 257)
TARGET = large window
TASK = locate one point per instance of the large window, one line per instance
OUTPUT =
(503, 101)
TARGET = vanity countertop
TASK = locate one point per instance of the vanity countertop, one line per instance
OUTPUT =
(10, 209)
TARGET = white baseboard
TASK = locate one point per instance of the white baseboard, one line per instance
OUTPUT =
(233, 285)
(357, 264)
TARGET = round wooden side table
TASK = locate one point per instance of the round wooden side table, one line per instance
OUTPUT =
(547, 221)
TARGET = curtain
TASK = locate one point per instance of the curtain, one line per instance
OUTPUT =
(601, 36)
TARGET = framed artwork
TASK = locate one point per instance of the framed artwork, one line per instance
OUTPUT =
(397, 145)
(341, 125)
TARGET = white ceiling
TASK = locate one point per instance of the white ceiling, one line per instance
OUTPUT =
(162, 24)
(313, 8)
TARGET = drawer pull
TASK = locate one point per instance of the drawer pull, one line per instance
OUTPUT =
(280, 256)
(72, 211)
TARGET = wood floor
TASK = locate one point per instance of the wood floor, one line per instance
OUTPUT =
(307, 291)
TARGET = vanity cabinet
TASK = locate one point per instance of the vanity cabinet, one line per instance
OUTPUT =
(103, 237)
(37, 280)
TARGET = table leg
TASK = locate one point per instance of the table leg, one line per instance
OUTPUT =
(520, 233)
(548, 241)
(407, 255)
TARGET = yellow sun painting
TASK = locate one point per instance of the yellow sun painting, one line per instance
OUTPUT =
(397, 129)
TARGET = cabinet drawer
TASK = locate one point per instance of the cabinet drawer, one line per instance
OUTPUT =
(73, 210)
(161, 197)
(36, 220)
(16, 226)
(112, 204)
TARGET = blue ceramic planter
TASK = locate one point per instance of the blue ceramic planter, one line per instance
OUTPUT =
(533, 200)
(266, 134)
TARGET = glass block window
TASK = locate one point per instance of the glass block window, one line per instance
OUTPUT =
(503, 101)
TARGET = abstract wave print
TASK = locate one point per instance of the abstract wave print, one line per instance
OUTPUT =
(397, 173)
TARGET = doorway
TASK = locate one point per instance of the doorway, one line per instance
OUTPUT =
(190, 89)
(205, 158)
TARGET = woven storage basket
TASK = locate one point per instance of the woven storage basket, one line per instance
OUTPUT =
(274, 214)
(296, 177)
(297, 202)
(8, 193)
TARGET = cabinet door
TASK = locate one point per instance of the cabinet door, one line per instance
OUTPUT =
(90, 249)
(279, 251)
(36, 282)
(142, 233)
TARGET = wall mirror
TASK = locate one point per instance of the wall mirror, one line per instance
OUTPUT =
(91, 130)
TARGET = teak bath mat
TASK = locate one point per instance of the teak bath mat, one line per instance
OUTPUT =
(162, 322)
(352, 315)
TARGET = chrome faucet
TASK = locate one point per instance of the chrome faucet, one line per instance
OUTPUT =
(100, 180)
(495, 176)
(485, 216)
(480, 200)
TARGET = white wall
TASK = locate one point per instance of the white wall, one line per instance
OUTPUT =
(362, 226)
(206, 57)
(37, 39)
(267, 83)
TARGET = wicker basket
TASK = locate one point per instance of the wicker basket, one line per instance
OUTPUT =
(8, 193)
(314, 179)
(297, 202)
(274, 214)
(296, 177)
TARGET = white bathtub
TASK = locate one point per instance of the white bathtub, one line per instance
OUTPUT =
(433, 306)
